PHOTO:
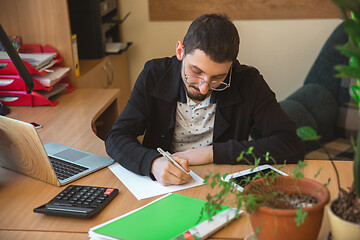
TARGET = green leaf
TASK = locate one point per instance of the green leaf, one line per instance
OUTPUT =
(250, 203)
(318, 172)
(347, 71)
(240, 203)
(297, 169)
(257, 175)
(307, 133)
(349, 50)
(355, 92)
(241, 156)
(326, 184)
(267, 156)
(250, 150)
(297, 172)
(355, 16)
(213, 183)
(257, 162)
(300, 216)
(352, 28)
(281, 166)
(301, 164)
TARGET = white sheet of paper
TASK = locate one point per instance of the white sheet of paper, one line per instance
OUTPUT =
(143, 187)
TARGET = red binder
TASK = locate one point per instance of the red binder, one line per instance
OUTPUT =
(13, 90)
(16, 83)
(22, 98)
(10, 68)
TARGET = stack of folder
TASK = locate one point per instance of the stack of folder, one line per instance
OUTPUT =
(43, 64)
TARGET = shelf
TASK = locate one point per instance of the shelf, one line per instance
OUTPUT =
(86, 65)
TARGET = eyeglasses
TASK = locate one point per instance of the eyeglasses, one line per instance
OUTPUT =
(214, 85)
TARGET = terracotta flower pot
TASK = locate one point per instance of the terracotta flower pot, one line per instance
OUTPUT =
(279, 224)
(342, 229)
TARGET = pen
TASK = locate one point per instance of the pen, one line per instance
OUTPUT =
(162, 152)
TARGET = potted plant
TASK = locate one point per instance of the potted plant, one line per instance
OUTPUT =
(280, 207)
(344, 211)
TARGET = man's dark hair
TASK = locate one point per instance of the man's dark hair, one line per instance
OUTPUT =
(214, 34)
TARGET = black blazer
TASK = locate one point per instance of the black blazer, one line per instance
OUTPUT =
(248, 103)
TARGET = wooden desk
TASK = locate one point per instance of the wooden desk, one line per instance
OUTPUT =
(79, 110)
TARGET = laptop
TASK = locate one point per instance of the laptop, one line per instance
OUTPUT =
(22, 151)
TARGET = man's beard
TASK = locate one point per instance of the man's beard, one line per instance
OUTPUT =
(195, 96)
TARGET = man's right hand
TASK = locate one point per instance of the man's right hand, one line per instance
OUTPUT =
(168, 174)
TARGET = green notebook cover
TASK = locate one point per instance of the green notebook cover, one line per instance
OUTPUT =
(165, 218)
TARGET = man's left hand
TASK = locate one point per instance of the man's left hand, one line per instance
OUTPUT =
(198, 156)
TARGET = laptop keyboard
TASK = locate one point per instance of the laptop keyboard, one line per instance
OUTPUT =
(64, 170)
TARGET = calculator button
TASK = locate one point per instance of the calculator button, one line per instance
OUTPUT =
(109, 191)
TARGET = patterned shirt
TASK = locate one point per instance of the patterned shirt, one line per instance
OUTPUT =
(194, 124)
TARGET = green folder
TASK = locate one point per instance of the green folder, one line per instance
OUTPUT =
(165, 218)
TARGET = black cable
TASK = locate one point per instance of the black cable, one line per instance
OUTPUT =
(15, 58)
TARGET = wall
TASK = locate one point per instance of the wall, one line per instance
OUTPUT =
(283, 50)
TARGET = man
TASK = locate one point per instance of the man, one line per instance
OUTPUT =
(200, 105)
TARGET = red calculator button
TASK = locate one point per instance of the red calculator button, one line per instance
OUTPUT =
(108, 191)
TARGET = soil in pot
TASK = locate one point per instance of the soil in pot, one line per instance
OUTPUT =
(347, 206)
(277, 199)
(291, 201)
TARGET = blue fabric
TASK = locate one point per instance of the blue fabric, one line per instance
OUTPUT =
(322, 71)
(316, 104)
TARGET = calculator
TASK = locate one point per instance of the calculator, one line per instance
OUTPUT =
(79, 201)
